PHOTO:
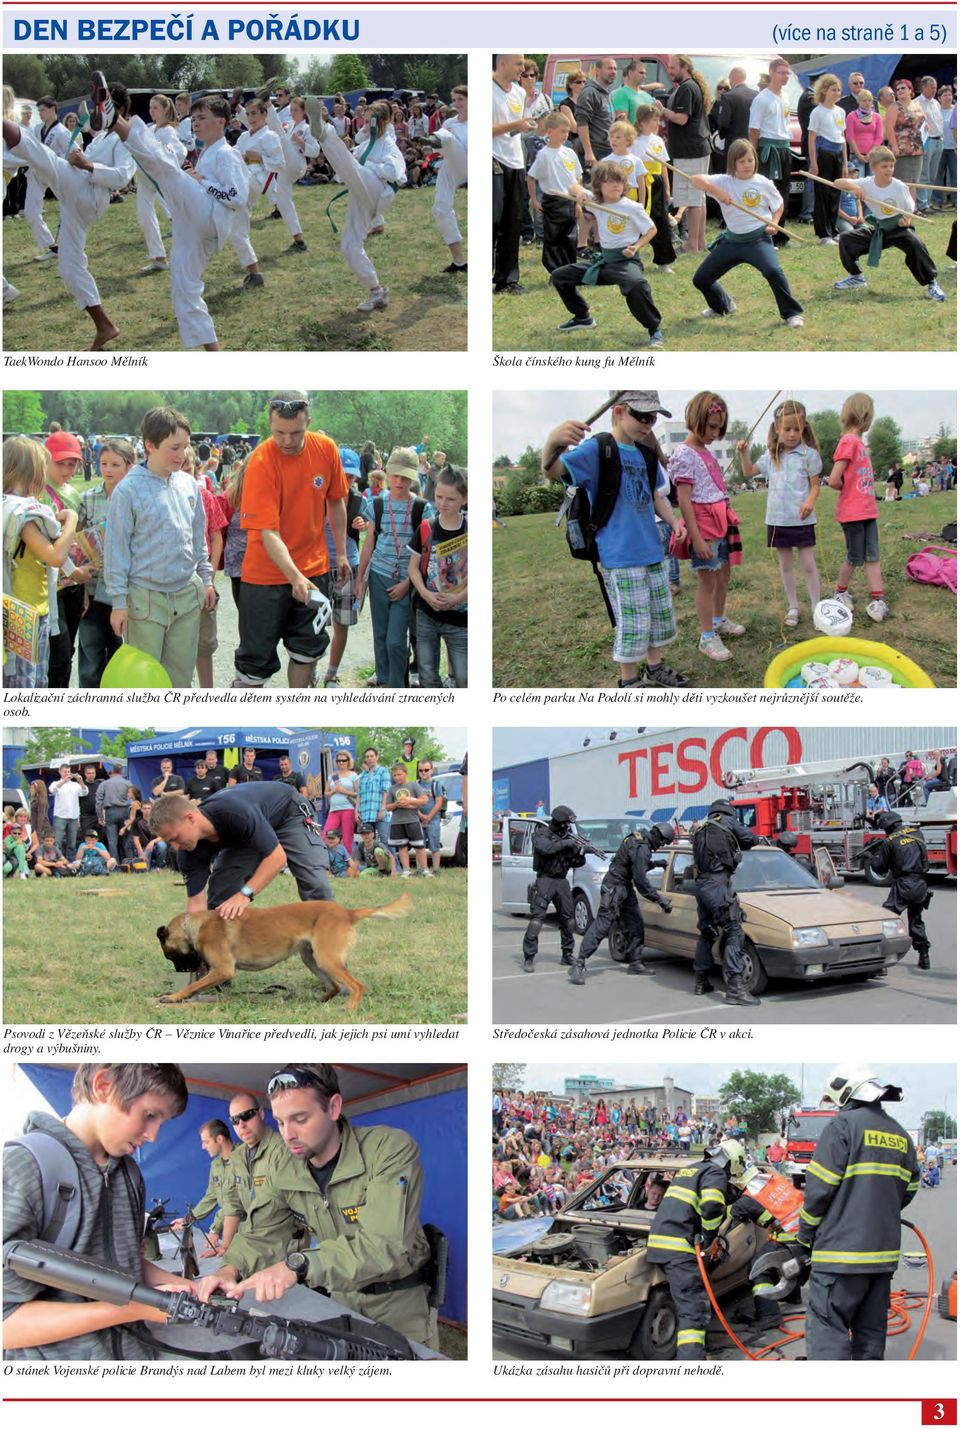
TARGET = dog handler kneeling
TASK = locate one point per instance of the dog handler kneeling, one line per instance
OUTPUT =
(234, 845)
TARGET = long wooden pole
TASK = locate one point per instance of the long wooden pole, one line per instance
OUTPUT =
(934, 188)
(828, 183)
(794, 238)
(611, 401)
(732, 462)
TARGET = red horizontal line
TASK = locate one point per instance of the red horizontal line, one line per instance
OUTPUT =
(537, 4)
(499, 1399)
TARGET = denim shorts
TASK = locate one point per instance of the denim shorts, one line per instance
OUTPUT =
(432, 833)
(863, 542)
(720, 557)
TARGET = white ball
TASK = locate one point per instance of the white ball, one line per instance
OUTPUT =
(833, 618)
(874, 677)
(843, 670)
(812, 670)
(824, 682)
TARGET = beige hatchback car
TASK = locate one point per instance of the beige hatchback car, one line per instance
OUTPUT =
(582, 1286)
(793, 926)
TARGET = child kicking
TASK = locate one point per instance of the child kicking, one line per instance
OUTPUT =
(206, 203)
(624, 228)
(632, 567)
(452, 174)
(83, 182)
(372, 174)
(747, 237)
(884, 228)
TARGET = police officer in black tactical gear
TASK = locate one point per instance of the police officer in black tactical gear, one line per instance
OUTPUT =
(717, 849)
(787, 841)
(628, 869)
(903, 854)
(555, 851)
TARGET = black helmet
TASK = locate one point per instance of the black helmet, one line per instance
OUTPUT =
(562, 814)
(888, 821)
(660, 835)
(787, 839)
(721, 806)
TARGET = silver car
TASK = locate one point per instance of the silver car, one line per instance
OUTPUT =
(516, 862)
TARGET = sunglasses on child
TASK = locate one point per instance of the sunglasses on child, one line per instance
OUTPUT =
(643, 416)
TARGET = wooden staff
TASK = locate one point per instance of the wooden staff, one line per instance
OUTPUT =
(767, 223)
(612, 401)
(733, 460)
(828, 183)
(934, 188)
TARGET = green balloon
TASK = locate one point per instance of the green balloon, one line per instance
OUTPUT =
(133, 669)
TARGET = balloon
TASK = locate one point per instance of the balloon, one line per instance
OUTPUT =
(133, 669)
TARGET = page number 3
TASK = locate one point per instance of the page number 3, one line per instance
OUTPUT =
(938, 1411)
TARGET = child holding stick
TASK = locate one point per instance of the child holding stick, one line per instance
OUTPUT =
(889, 225)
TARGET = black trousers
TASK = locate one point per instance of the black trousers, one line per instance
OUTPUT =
(617, 905)
(549, 891)
(662, 247)
(826, 202)
(307, 860)
(782, 186)
(855, 244)
(718, 915)
(627, 275)
(692, 1305)
(509, 187)
(847, 1316)
(96, 643)
(559, 232)
(759, 255)
(69, 610)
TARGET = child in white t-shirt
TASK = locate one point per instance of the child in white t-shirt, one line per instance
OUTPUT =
(885, 228)
(553, 172)
(622, 137)
(650, 148)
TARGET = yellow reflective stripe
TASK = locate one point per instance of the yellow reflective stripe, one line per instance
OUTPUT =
(691, 1337)
(876, 1168)
(765, 1219)
(763, 1287)
(822, 1174)
(810, 1220)
(680, 1193)
(856, 1257)
(711, 1223)
(669, 1242)
(712, 1195)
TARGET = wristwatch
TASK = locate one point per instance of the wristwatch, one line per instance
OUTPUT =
(297, 1262)
(248, 892)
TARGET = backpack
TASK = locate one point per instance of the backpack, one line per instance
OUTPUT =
(60, 1186)
(713, 838)
(416, 514)
(931, 569)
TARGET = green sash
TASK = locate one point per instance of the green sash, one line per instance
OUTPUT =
(607, 255)
(878, 227)
(725, 236)
(775, 157)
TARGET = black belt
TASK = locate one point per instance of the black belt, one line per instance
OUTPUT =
(386, 1287)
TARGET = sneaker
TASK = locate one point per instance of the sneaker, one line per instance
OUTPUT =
(376, 229)
(44, 255)
(878, 610)
(156, 265)
(572, 324)
(729, 627)
(314, 107)
(662, 268)
(454, 268)
(656, 339)
(331, 681)
(827, 242)
(714, 647)
(377, 299)
(297, 246)
(372, 683)
(405, 873)
(709, 313)
(10, 295)
(662, 677)
(102, 109)
(794, 320)
(844, 598)
(253, 280)
(275, 214)
(514, 289)
(856, 280)
(935, 293)
(265, 93)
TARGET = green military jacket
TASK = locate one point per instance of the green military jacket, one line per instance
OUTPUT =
(363, 1232)
(247, 1186)
(220, 1172)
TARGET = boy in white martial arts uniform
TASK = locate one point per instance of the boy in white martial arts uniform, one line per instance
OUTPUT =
(261, 153)
(83, 183)
(11, 166)
(298, 145)
(164, 129)
(452, 138)
(182, 103)
(205, 203)
(372, 174)
(56, 137)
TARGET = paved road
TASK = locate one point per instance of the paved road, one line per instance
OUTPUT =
(905, 997)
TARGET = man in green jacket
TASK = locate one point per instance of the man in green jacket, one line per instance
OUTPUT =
(357, 1192)
(247, 1186)
(217, 1142)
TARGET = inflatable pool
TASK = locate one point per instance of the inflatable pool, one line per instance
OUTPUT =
(784, 670)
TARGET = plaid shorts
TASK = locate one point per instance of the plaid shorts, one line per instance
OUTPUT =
(643, 609)
(342, 598)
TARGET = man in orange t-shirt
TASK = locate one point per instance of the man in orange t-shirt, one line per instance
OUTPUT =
(293, 482)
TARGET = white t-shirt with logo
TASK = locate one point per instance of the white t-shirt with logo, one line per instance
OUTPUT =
(757, 194)
(829, 123)
(651, 149)
(556, 169)
(770, 115)
(508, 106)
(620, 224)
(632, 168)
(883, 202)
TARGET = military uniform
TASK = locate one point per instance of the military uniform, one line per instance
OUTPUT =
(903, 854)
(367, 1246)
(246, 1188)
(213, 1196)
(717, 847)
(863, 1173)
(694, 1204)
(555, 852)
(628, 869)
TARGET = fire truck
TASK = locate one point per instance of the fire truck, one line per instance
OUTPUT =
(825, 804)
(801, 1130)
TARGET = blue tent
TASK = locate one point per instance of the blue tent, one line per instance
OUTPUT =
(876, 69)
(175, 1167)
(309, 749)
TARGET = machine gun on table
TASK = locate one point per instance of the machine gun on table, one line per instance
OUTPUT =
(274, 1336)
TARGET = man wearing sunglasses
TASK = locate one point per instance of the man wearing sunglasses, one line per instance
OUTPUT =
(293, 483)
(259, 1153)
(357, 1190)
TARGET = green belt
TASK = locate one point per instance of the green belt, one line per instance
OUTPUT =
(725, 236)
(607, 255)
(344, 192)
(773, 153)
(878, 227)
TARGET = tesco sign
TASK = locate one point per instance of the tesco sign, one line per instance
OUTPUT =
(661, 770)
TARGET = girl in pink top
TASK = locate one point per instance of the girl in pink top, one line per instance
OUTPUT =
(864, 129)
(852, 477)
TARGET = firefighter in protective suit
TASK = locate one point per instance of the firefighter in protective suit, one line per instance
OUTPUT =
(773, 1203)
(863, 1173)
(693, 1206)
(717, 850)
(628, 869)
(903, 854)
(555, 851)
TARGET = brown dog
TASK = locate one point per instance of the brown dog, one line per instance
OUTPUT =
(323, 933)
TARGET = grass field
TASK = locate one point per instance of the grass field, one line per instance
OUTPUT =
(833, 322)
(567, 640)
(308, 303)
(71, 954)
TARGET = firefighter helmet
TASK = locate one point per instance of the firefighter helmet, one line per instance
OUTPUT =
(856, 1083)
(730, 1153)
